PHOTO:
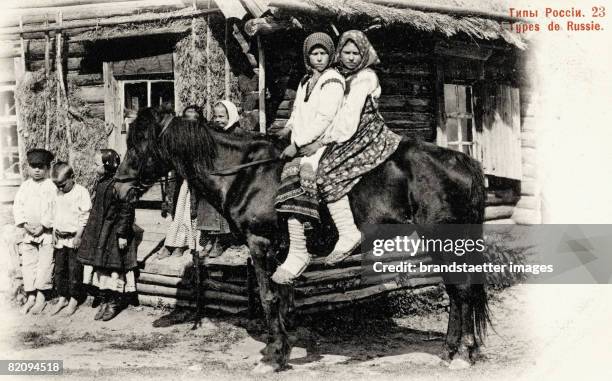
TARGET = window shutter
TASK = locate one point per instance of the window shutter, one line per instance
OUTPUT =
(497, 137)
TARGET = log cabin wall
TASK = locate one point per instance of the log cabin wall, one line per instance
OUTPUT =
(411, 65)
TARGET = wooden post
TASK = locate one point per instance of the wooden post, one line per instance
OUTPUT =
(19, 73)
(47, 100)
(262, 86)
(227, 66)
(208, 73)
(62, 97)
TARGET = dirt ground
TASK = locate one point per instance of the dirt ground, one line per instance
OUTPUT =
(538, 330)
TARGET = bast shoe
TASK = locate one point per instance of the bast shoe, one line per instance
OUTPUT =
(114, 306)
(101, 311)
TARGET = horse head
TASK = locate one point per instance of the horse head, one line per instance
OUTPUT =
(144, 162)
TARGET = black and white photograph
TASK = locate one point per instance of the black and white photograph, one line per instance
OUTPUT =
(305, 189)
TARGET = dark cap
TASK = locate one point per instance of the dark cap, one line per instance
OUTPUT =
(39, 156)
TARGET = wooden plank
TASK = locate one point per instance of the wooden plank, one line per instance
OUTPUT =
(261, 85)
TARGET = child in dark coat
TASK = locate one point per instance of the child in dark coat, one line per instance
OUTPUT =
(109, 264)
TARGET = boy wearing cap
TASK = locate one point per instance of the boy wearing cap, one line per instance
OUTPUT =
(70, 214)
(32, 211)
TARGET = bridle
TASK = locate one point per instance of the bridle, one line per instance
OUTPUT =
(164, 180)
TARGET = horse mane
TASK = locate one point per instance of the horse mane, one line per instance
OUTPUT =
(189, 141)
(189, 144)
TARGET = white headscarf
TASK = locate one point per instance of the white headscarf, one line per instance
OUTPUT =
(232, 113)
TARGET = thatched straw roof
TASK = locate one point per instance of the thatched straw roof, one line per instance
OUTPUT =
(482, 26)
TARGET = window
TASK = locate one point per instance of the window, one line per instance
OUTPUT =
(139, 94)
(492, 137)
(9, 152)
(458, 134)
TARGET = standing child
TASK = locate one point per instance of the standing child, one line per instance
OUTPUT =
(70, 214)
(32, 210)
(109, 264)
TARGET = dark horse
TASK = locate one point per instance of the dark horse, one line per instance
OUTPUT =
(420, 183)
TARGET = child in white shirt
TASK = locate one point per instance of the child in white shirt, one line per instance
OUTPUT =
(32, 211)
(70, 214)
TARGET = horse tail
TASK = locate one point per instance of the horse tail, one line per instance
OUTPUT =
(482, 313)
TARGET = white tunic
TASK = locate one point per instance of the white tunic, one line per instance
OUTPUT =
(71, 212)
(312, 116)
(34, 204)
(359, 86)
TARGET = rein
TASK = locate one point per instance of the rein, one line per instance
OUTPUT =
(238, 168)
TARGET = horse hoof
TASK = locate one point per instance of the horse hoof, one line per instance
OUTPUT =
(458, 364)
(265, 368)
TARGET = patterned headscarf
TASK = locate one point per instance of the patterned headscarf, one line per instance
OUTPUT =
(369, 56)
(232, 113)
(317, 39)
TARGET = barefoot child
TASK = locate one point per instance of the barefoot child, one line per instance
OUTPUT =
(70, 214)
(32, 210)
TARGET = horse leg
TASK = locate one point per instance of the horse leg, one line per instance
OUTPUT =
(468, 345)
(276, 352)
(453, 333)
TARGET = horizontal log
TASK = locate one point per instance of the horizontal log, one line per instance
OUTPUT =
(402, 70)
(404, 115)
(506, 221)
(85, 79)
(266, 25)
(36, 49)
(358, 283)
(335, 306)
(529, 188)
(190, 294)
(163, 280)
(160, 301)
(410, 124)
(313, 277)
(214, 285)
(24, 4)
(352, 260)
(73, 64)
(89, 11)
(502, 198)
(91, 94)
(153, 289)
(403, 101)
(498, 212)
(97, 110)
(38, 31)
(367, 292)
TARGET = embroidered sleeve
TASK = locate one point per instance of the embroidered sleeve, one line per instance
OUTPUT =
(332, 93)
(358, 88)
(291, 121)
